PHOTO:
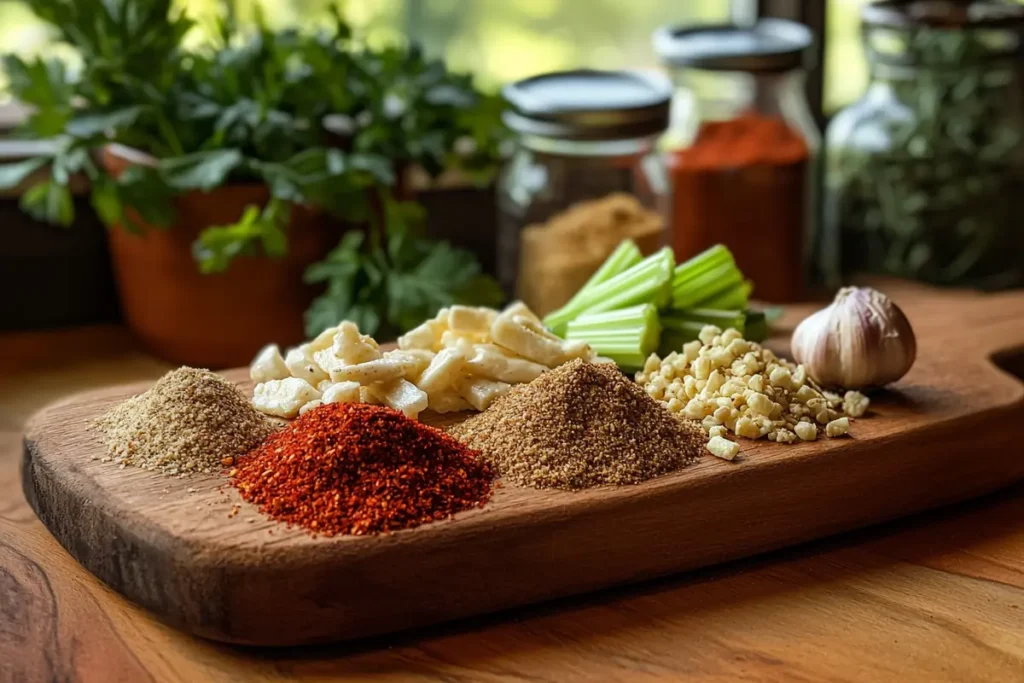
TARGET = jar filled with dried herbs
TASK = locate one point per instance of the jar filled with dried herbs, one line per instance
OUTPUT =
(925, 173)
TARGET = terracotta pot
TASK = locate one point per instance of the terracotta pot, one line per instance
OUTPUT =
(218, 320)
(53, 276)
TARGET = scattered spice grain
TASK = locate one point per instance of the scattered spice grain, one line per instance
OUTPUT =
(350, 468)
(581, 425)
(190, 421)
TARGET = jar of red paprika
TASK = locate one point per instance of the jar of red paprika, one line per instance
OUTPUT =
(741, 147)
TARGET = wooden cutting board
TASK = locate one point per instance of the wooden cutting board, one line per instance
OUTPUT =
(947, 432)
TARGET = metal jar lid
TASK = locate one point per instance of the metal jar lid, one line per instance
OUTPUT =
(770, 45)
(589, 105)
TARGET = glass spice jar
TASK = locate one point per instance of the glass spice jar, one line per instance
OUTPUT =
(742, 147)
(585, 140)
(925, 172)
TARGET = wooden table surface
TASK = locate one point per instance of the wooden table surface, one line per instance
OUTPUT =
(938, 597)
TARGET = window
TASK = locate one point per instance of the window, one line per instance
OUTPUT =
(503, 40)
(499, 40)
(846, 71)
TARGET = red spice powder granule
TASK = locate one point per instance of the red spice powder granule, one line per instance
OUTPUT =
(347, 468)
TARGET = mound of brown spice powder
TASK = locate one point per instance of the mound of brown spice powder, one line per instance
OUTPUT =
(581, 425)
(348, 468)
(191, 420)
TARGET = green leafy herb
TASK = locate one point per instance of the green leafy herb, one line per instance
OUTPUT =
(15, 174)
(49, 202)
(320, 119)
(258, 230)
(45, 85)
(389, 288)
(248, 106)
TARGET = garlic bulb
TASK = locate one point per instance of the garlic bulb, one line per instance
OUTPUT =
(861, 340)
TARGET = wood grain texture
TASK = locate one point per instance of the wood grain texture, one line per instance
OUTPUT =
(243, 579)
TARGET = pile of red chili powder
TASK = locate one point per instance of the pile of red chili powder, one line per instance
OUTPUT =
(347, 468)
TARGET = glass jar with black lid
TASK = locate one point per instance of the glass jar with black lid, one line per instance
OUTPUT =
(925, 172)
(581, 135)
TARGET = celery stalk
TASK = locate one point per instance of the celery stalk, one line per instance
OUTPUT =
(674, 338)
(646, 282)
(704, 316)
(708, 259)
(625, 256)
(735, 298)
(708, 275)
(679, 327)
(756, 326)
(627, 336)
(709, 283)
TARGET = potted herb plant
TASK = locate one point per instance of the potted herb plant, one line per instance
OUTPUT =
(229, 171)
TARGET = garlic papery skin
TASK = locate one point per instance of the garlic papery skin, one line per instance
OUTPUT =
(861, 340)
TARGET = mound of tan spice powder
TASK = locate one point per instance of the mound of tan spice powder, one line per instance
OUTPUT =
(190, 421)
(581, 425)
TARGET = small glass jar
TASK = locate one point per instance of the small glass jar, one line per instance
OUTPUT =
(925, 173)
(742, 148)
(586, 141)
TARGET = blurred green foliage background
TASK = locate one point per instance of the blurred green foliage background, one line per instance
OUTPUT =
(501, 40)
